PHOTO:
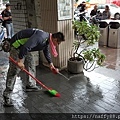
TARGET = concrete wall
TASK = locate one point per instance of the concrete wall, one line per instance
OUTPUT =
(19, 14)
(31, 15)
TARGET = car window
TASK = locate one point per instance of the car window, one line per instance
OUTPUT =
(102, 6)
(99, 6)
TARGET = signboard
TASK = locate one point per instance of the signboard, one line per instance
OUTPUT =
(64, 9)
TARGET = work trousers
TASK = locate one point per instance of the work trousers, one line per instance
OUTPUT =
(14, 70)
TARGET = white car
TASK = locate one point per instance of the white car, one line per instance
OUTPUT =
(114, 9)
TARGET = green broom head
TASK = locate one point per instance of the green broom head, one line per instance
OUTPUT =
(54, 92)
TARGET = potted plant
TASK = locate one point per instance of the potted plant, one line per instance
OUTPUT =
(83, 55)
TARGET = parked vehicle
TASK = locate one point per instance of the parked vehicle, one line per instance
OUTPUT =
(2, 33)
(116, 2)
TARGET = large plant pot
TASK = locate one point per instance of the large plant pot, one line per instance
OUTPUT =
(75, 66)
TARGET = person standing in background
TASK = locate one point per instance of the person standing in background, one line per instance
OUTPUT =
(7, 19)
(106, 13)
(82, 6)
(94, 11)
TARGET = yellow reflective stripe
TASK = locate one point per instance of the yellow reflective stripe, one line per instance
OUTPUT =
(16, 44)
(19, 42)
(23, 41)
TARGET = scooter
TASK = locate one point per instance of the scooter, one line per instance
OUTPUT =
(2, 33)
(81, 16)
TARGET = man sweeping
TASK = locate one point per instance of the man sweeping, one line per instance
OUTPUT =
(20, 47)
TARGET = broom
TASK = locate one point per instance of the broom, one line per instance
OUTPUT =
(50, 90)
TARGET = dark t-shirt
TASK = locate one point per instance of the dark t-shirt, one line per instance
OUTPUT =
(6, 13)
(82, 7)
(93, 12)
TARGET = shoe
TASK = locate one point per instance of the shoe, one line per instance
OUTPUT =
(8, 102)
(33, 89)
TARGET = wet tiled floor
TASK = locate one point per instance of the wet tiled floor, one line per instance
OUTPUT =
(98, 94)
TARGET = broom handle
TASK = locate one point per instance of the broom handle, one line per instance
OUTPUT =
(29, 74)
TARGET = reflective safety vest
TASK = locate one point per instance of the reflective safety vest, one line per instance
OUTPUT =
(19, 42)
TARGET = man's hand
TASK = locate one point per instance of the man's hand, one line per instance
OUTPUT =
(20, 64)
(53, 69)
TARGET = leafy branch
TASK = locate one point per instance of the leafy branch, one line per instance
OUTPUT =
(90, 33)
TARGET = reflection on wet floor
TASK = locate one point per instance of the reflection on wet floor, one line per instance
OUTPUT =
(91, 92)
(113, 58)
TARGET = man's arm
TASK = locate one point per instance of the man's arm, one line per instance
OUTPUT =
(31, 43)
(47, 55)
(4, 16)
(24, 50)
